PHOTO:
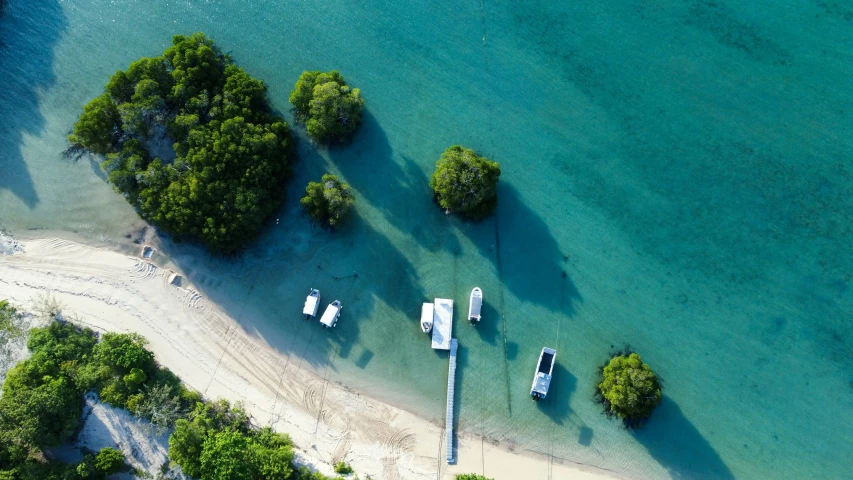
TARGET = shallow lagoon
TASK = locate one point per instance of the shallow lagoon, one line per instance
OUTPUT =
(686, 165)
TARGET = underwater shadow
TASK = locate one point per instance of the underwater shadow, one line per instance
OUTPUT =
(531, 264)
(675, 443)
(556, 404)
(400, 191)
(487, 327)
(28, 33)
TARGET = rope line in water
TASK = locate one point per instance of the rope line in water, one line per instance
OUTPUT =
(503, 310)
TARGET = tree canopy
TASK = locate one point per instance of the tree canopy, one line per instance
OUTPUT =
(217, 443)
(41, 407)
(232, 154)
(630, 389)
(329, 200)
(330, 109)
(465, 183)
(42, 403)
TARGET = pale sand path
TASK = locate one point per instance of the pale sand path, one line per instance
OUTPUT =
(109, 291)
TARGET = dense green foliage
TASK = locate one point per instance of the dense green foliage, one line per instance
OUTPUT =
(10, 331)
(630, 388)
(41, 405)
(329, 200)
(343, 468)
(232, 154)
(465, 183)
(471, 476)
(216, 442)
(330, 109)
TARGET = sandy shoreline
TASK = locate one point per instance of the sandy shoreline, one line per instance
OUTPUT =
(110, 291)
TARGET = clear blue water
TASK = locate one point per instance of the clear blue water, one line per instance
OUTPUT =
(686, 164)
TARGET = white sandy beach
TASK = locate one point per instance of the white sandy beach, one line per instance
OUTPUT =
(109, 291)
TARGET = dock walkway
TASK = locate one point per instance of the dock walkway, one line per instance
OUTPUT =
(451, 387)
(442, 324)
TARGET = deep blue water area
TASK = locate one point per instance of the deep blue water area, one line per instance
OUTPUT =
(676, 177)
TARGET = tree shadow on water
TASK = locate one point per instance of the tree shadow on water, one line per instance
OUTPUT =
(28, 32)
(531, 263)
(397, 187)
(678, 446)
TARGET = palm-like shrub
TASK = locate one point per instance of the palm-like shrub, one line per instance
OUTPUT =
(328, 201)
(465, 183)
(630, 389)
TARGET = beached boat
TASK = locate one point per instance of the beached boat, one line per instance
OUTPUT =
(330, 316)
(427, 312)
(542, 377)
(475, 305)
(312, 302)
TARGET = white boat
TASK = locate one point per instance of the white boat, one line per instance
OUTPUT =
(312, 302)
(427, 312)
(544, 370)
(330, 316)
(475, 305)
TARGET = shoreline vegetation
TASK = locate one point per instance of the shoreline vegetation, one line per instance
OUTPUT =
(42, 403)
(232, 155)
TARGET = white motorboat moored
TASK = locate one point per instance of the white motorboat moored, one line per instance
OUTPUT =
(475, 305)
(427, 312)
(312, 302)
(544, 370)
(330, 316)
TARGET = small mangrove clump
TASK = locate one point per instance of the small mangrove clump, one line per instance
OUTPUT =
(630, 389)
(330, 109)
(328, 201)
(466, 183)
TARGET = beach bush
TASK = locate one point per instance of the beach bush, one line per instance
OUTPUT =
(232, 155)
(630, 389)
(330, 109)
(328, 201)
(465, 183)
(343, 468)
(216, 442)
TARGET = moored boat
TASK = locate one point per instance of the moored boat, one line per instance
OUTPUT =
(475, 305)
(427, 313)
(544, 370)
(312, 302)
(331, 315)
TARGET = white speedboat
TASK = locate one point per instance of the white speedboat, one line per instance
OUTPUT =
(427, 312)
(312, 302)
(544, 370)
(475, 305)
(330, 316)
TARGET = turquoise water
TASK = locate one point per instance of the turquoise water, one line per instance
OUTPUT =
(686, 164)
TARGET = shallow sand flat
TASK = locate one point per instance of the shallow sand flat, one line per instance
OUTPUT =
(109, 291)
